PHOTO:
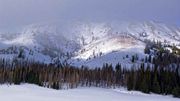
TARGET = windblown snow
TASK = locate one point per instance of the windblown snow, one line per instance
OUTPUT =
(86, 43)
(27, 92)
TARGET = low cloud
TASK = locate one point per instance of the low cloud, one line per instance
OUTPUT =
(15, 13)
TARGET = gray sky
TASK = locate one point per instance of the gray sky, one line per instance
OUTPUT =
(14, 13)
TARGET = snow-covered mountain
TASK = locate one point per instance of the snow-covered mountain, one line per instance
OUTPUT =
(85, 43)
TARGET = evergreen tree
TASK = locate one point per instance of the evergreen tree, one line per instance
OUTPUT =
(176, 92)
(133, 59)
(155, 86)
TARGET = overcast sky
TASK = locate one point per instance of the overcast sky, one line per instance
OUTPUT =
(15, 13)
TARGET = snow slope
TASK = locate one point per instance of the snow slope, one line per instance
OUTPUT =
(88, 43)
(27, 92)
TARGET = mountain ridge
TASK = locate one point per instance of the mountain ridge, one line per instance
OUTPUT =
(87, 43)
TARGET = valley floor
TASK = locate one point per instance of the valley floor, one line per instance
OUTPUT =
(28, 92)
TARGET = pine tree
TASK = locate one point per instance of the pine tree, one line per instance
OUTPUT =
(176, 92)
(149, 59)
(133, 59)
(155, 85)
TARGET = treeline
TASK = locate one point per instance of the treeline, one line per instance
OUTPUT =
(156, 79)
(161, 80)
(164, 76)
(61, 77)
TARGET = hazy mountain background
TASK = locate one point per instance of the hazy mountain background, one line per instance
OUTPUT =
(17, 13)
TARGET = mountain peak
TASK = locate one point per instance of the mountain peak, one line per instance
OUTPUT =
(86, 43)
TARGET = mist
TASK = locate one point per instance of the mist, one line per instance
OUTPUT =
(16, 13)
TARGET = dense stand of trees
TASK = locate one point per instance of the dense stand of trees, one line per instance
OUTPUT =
(60, 77)
(156, 79)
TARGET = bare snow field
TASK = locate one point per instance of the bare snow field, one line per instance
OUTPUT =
(28, 92)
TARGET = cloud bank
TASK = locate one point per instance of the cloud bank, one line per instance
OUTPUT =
(15, 13)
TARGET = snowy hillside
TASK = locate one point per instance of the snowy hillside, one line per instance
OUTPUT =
(29, 92)
(85, 43)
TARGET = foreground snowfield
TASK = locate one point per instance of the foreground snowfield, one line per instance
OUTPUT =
(27, 92)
